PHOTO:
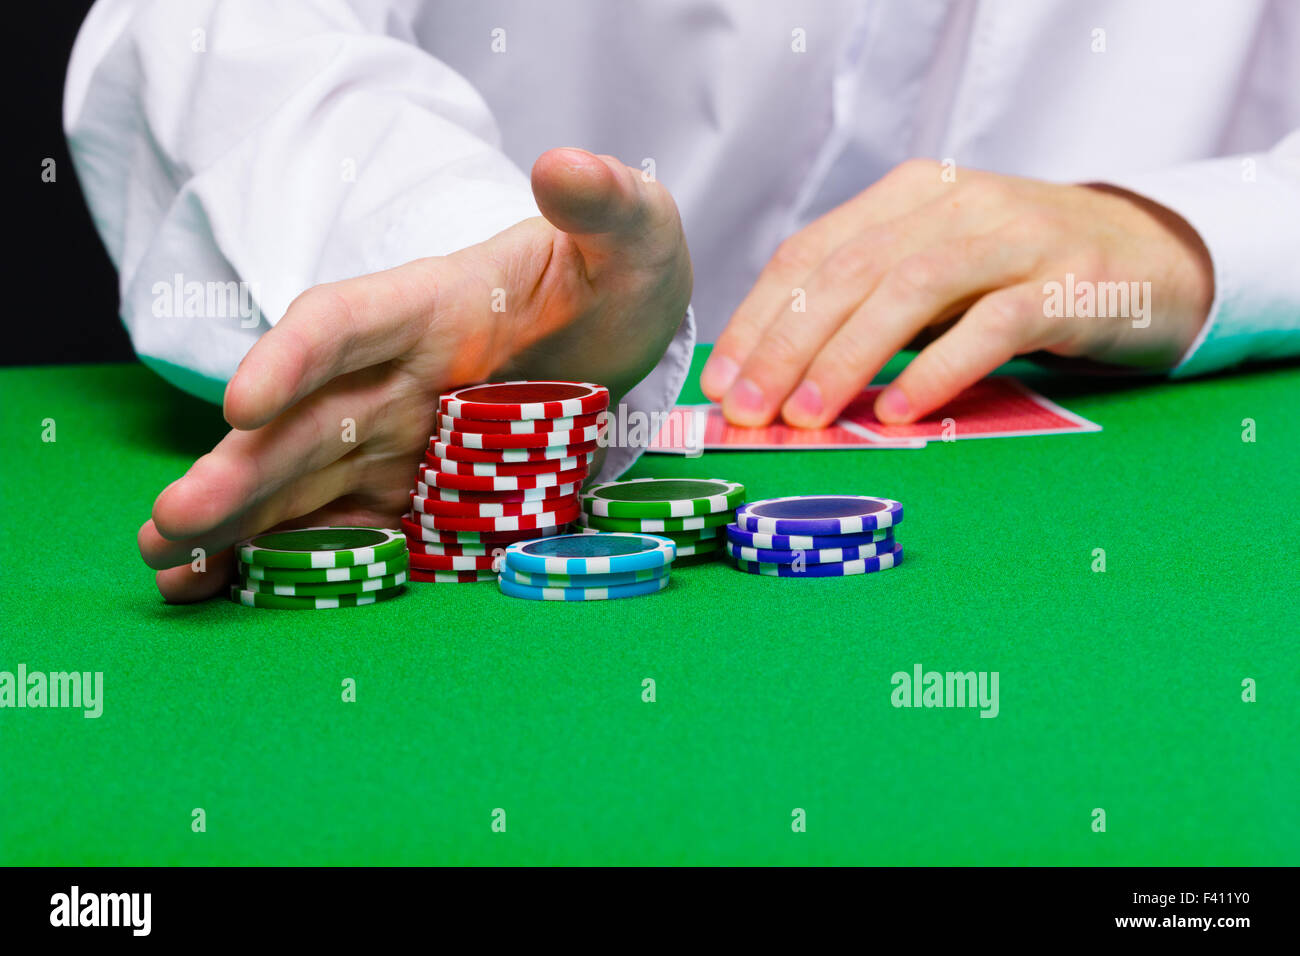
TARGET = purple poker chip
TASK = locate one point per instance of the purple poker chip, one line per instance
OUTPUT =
(832, 569)
(809, 555)
(805, 542)
(819, 515)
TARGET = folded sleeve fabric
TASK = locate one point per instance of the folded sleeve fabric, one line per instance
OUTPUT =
(276, 147)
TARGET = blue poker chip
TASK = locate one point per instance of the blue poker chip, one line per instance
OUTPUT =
(808, 555)
(582, 580)
(603, 553)
(610, 593)
(804, 542)
(819, 515)
(834, 569)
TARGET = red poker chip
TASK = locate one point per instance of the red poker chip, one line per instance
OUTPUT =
(489, 509)
(449, 577)
(547, 519)
(433, 540)
(509, 456)
(488, 549)
(552, 465)
(486, 426)
(418, 533)
(453, 562)
(503, 482)
(509, 401)
(577, 436)
(434, 493)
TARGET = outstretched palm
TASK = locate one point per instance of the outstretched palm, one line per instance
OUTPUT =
(333, 407)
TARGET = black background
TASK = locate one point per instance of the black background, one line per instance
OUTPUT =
(62, 301)
(924, 909)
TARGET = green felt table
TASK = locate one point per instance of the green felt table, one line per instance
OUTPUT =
(1119, 690)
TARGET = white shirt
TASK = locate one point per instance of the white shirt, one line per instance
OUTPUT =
(213, 139)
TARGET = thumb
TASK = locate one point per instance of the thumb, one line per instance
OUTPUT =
(596, 199)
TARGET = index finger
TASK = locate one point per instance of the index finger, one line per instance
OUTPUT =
(905, 188)
(931, 286)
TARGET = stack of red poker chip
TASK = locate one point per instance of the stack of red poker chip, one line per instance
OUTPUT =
(506, 464)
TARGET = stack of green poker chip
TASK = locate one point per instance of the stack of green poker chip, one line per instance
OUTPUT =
(692, 512)
(318, 568)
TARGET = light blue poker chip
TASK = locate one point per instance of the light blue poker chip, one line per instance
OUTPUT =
(582, 580)
(529, 592)
(604, 553)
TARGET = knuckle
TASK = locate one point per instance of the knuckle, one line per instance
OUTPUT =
(837, 366)
(744, 330)
(993, 190)
(1030, 226)
(213, 469)
(1087, 262)
(1005, 314)
(321, 306)
(734, 342)
(305, 349)
(792, 257)
(319, 300)
(854, 259)
(779, 348)
(912, 170)
(928, 373)
(1019, 233)
(331, 324)
(917, 275)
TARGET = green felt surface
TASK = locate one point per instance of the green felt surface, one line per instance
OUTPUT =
(1119, 690)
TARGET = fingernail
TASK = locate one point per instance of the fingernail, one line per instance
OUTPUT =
(719, 373)
(892, 405)
(806, 402)
(745, 396)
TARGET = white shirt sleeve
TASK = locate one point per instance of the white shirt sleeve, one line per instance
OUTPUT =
(278, 145)
(1247, 211)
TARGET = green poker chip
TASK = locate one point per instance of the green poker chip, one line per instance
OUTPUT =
(707, 546)
(328, 589)
(662, 497)
(357, 572)
(286, 603)
(657, 525)
(322, 547)
(681, 538)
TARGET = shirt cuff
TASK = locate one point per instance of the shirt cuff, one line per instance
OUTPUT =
(1247, 212)
(654, 394)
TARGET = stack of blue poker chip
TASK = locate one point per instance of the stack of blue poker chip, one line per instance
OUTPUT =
(587, 567)
(815, 536)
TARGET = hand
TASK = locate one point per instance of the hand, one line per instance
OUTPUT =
(593, 292)
(963, 267)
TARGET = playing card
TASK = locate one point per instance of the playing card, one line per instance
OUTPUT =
(998, 407)
(993, 408)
